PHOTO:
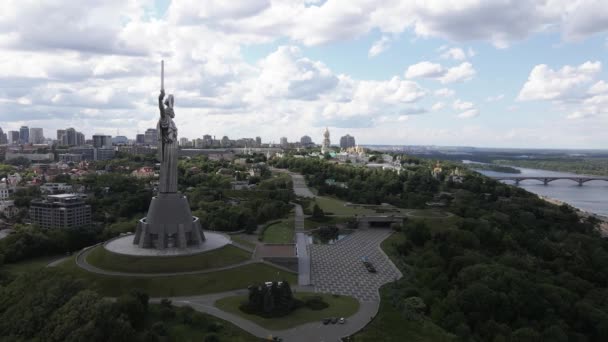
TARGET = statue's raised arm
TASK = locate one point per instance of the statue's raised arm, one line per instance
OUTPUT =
(160, 103)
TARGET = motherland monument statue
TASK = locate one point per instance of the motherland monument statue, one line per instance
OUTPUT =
(169, 222)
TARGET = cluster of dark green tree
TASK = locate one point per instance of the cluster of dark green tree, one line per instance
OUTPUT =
(511, 268)
(51, 306)
(114, 196)
(221, 208)
(125, 163)
(30, 242)
(270, 300)
(410, 189)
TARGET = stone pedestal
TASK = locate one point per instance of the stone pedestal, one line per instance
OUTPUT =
(169, 223)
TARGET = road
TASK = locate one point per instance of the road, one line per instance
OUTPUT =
(82, 263)
(309, 332)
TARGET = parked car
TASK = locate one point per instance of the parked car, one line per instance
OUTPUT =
(368, 265)
(326, 321)
(342, 320)
(334, 320)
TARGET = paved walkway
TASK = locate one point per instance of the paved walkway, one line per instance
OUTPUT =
(299, 186)
(309, 332)
(338, 268)
(302, 247)
(335, 269)
(82, 263)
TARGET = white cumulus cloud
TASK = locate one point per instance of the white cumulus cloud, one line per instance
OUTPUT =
(379, 46)
(425, 69)
(545, 83)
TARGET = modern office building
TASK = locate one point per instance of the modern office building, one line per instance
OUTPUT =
(207, 140)
(70, 137)
(36, 135)
(120, 140)
(65, 211)
(61, 136)
(184, 142)
(258, 141)
(13, 137)
(102, 141)
(70, 157)
(347, 141)
(306, 141)
(24, 134)
(80, 140)
(3, 137)
(151, 137)
(104, 153)
(140, 139)
(87, 152)
(284, 142)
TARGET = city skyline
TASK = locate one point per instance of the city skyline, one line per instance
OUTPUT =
(447, 76)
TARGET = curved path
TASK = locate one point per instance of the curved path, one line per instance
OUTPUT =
(308, 332)
(81, 261)
(366, 241)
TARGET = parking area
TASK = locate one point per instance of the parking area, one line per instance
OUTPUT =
(339, 268)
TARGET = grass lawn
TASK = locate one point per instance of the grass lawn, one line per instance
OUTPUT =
(29, 265)
(331, 205)
(336, 207)
(390, 326)
(225, 256)
(342, 306)
(280, 232)
(329, 220)
(183, 285)
(242, 240)
(199, 326)
(427, 213)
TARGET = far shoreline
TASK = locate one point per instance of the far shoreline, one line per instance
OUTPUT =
(603, 226)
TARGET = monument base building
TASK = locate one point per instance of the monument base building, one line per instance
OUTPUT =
(168, 224)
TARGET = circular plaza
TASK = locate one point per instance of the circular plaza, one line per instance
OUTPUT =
(124, 245)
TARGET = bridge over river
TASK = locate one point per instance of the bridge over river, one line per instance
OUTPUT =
(548, 179)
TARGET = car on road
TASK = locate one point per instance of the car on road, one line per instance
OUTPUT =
(368, 265)
(326, 321)
(334, 320)
(342, 320)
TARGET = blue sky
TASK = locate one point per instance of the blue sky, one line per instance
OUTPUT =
(475, 73)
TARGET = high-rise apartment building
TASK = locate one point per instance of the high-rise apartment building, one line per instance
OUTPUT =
(79, 139)
(24, 134)
(70, 136)
(63, 211)
(3, 138)
(13, 137)
(151, 136)
(284, 142)
(36, 135)
(140, 139)
(102, 141)
(347, 141)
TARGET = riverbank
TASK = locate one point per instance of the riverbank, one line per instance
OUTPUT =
(603, 225)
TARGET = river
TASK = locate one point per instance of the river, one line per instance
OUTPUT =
(591, 197)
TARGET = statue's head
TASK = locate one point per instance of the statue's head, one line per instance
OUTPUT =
(169, 103)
